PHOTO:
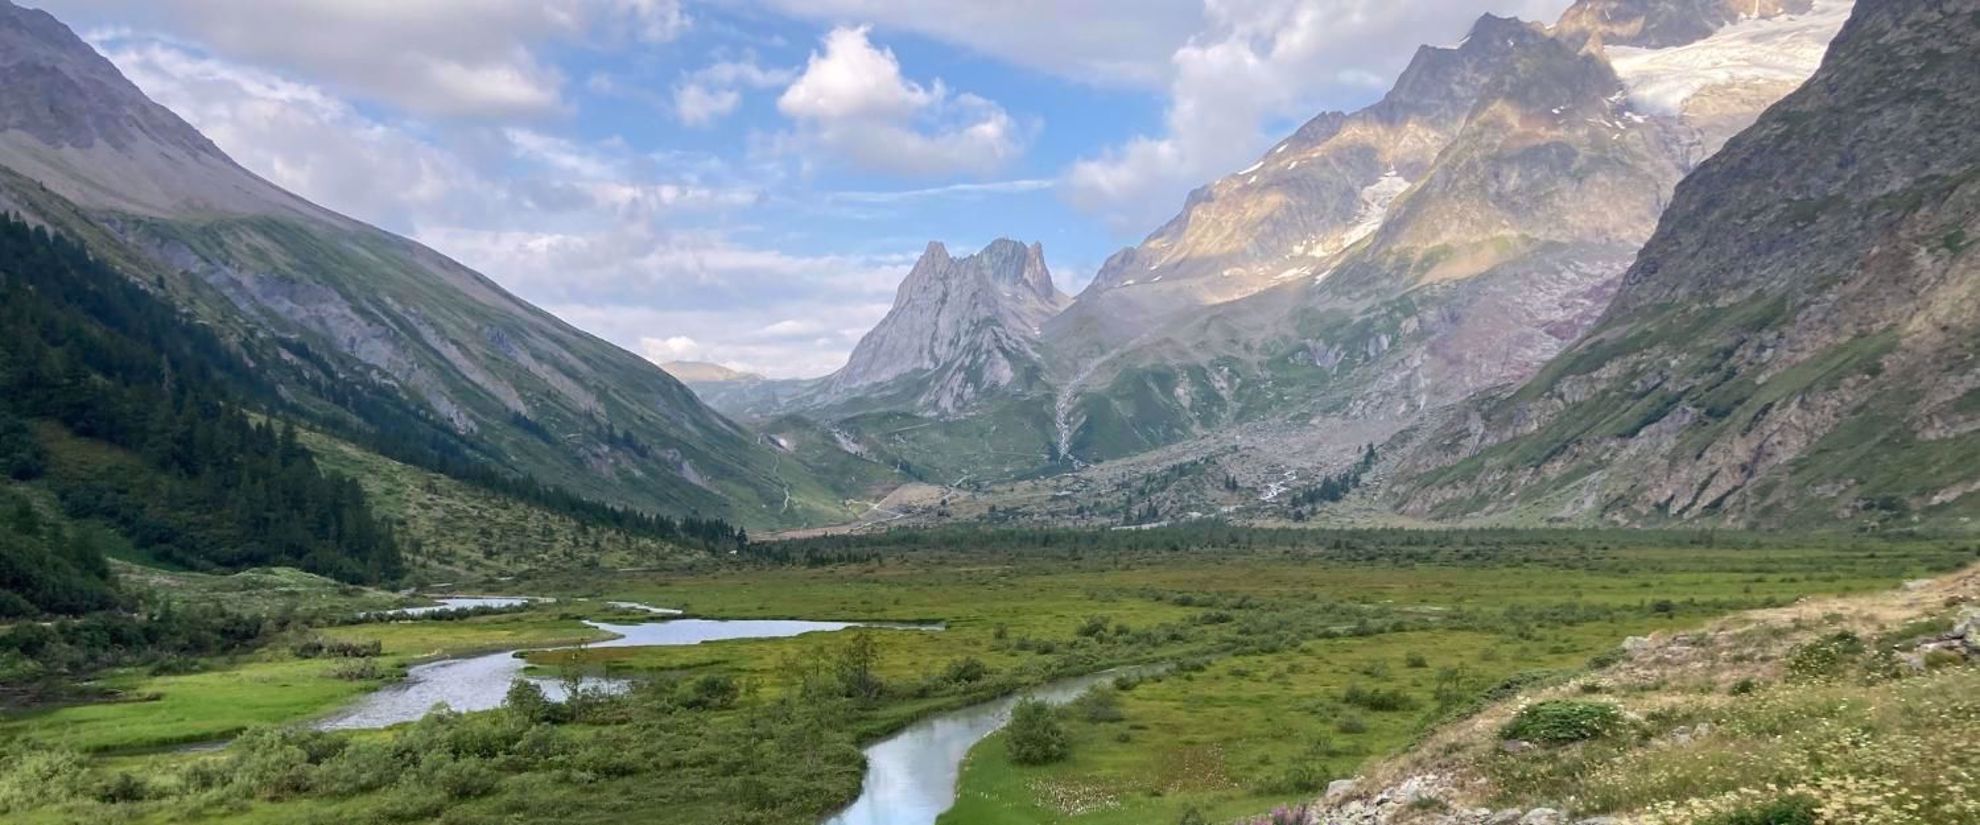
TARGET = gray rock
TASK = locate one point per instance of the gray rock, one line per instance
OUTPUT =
(1543, 816)
(1515, 746)
(1340, 788)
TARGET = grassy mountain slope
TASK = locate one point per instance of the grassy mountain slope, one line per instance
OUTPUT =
(372, 335)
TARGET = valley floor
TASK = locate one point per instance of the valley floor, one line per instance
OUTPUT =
(1294, 661)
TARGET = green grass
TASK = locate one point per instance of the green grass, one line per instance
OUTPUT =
(1268, 643)
(231, 696)
(162, 711)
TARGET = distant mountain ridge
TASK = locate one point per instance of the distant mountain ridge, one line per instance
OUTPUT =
(1373, 270)
(691, 372)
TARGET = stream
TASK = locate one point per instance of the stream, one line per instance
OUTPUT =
(911, 775)
(482, 682)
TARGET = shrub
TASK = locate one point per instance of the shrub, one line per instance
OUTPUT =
(1415, 660)
(713, 691)
(1560, 721)
(359, 670)
(1790, 810)
(1094, 626)
(1101, 704)
(1824, 658)
(1380, 700)
(1744, 687)
(965, 671)
(1351, 724)
(123, 787)
(1035, 736)
(526, 700)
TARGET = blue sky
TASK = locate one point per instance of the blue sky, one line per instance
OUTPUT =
(745, 181)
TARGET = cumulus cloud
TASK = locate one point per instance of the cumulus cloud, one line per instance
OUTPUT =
(713, 92)
(1256, 64)
(450, 58)
(853, 106)
(595, 231)
(676, 348)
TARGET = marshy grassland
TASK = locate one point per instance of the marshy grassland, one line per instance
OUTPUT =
(1291, 659)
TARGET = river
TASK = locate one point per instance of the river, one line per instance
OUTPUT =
(911, 775)
(482, 682)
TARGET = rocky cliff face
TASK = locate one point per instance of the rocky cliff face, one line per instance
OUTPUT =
(1307, 202)
(1798, 339)
(1497, 194)
(960, 329)
(360, 317)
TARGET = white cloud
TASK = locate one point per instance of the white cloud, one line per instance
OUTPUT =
(303, 138)
(852, 105)
(676, 348)
(953, 190)
(1108, 42)
(713, 92)
(592, 230)
(1256, 64)
(449, 58)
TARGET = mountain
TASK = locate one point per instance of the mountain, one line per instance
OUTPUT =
(369, 334)
(1798, 341)
(1368, 273)
(960, 329)
(703, 372)
(1376, 267)
(1312, 196)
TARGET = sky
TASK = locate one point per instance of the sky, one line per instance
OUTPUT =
(747, 181)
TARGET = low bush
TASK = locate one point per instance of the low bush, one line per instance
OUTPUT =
(1824, 658)
(1791, 810)
(1035, 736)
(1380, 700)
(1561, 721)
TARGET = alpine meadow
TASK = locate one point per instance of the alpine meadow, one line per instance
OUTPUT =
(664, 411)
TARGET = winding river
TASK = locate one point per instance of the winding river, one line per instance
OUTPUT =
(911, 775)
(482, 682)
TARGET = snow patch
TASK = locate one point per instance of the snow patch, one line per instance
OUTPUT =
(1375, 200)
(1785, 48)
(1252, 168)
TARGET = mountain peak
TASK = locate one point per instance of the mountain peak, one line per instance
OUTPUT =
(982, 311)
(71, 120)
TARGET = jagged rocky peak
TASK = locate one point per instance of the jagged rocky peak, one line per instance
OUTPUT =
(1005, 264)
(1444, 82)
(952, 308)
(1662, 24)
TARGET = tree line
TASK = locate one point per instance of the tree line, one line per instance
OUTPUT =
(195, 481)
